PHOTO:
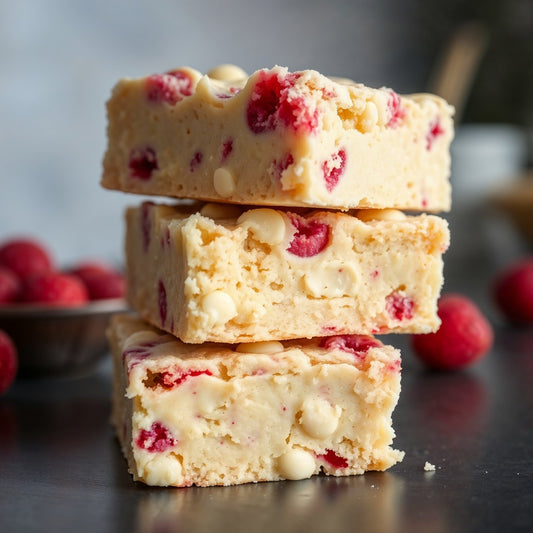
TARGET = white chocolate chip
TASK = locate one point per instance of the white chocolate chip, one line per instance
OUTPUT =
(227, 72)
(335, 279)
(220, 211)
(297, 464)
(380, 214)
(369, 117)
(163, 470)
(319, 418)
(224, 182)
(266, 225)
(219, 306)
(260, 347)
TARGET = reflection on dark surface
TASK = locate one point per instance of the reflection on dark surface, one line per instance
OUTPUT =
(370, 502)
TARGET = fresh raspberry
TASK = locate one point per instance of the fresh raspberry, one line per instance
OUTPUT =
(25, 257)
(396, 110)
(10, 286)
(170, 87)
(86, 268)
(271, 105)
(333, 169)
(356, 344)
(464, 336)
(334, 459)
(162, 302)
(156, 439)
(435, 130)
(400, 307)
(8, 362)
(311, 236)
(513, 291)
(142, 163)
(55, 288)
(103, 285)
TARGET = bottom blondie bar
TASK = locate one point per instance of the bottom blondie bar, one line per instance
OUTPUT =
(219, 414)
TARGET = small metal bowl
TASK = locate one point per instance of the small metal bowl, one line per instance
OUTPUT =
(54, 341)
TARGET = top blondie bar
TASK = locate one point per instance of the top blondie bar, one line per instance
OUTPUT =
(278, 138)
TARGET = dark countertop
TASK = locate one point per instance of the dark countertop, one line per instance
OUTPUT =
(61, 469)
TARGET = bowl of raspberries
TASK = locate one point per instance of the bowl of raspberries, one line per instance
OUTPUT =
(54, 319)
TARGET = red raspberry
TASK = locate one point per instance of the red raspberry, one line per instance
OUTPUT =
(435, 130)
(174, 378)
(513, 291)
(271, 105)
(55, 288)
(156, 439)
(464, 336)
(162, 302)
(227, 148)
(10, 286)
(396, 110)
(311, 236)
(104, 285)
(196, 161)
(334, 459)
(400, 307)
(356, 344)
(170, 87)
(142, 163)
(86, 268)
(333, 169)
(8, 362)
(25, 257)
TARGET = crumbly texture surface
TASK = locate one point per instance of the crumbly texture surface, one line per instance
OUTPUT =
(278, 138)
(228, 414)
(229, 274)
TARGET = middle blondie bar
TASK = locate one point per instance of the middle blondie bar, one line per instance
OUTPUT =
(224, 273)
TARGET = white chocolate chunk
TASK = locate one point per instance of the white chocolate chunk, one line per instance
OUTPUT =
(319, 418)
(296, 464)
(267, 225)
(380, 214)
(219, 306)
(227, 72)
(264, 347)
(223, 182)
(162, 470)
(333, 280)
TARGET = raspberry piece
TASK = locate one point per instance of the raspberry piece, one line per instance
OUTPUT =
(170, 380)
(513, 291)
(227, 148)
(333, 169)
(142, 163)
(25, 257)
(170, 87)
(156, 439)
(8, 362)
(400, 307)
(311, 236)
(464, 336)
(10, 286)
(356, 344)
(195, 161)
(435, 130)
(162, 302)
(271, 105)
(55, 288)
(333, 459)
(396, 110)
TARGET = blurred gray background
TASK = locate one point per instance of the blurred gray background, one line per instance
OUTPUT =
(60, 58)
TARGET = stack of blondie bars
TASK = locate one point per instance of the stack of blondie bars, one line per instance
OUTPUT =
(251, 355)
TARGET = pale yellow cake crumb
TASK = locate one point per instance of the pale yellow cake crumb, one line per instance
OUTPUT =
(428, 467)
